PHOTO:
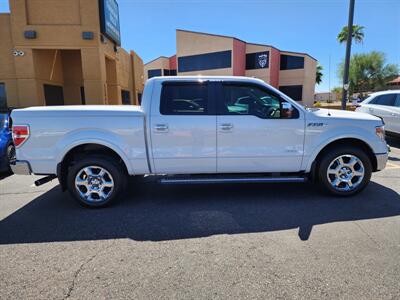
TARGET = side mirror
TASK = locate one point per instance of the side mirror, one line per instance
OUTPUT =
(287, 110)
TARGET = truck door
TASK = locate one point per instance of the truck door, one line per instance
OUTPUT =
(255, 134)
(183, 128)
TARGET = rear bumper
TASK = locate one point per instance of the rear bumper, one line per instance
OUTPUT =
(381, 160)
(21, 167)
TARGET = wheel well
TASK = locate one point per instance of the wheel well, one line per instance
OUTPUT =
(345, 142)
(81, 151)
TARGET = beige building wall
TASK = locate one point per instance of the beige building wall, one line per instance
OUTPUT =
(194, 43)
(159, 63)
(190, 43)
(305, 77)
(138, 76)
(60, 56)
(263, 74)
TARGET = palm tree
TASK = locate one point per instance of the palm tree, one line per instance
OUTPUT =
(358, 34)
(319, 75)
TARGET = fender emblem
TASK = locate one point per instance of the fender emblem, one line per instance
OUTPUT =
(315, 124)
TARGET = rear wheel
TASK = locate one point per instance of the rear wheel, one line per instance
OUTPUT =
(345, 171)
(10, 155)
(96, 181)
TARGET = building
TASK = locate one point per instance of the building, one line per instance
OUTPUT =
(66, 52)
(325, 97)
(394, 84)
(200, 53)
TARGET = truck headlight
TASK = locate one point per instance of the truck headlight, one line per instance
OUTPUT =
(380, 132)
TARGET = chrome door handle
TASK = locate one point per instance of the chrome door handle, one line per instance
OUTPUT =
(226, 126)
(161, 127)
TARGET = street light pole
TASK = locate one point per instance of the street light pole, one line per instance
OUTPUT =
(345, 92)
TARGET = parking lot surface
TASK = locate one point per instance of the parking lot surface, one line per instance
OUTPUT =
(252, 241)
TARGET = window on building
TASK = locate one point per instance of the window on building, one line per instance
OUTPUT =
(258, 60)
(3, 96)
(166, 72)
(139, 97)
(387, 100)
(290, 62)
(172, 72)
(242, 99)
(208, 61)
(153, 73)
(126, 97)
(184, 99)
(293, 91)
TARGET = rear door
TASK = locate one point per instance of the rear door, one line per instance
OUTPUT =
(183, 128)
(254, 133)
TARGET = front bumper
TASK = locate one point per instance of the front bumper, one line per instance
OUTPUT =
(381, 160)
(20, 167)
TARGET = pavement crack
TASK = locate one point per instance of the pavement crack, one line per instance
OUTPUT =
(81, 267)
(367, 234)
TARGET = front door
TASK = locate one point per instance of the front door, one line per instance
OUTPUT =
(254, 133)
(183, 129)
(53, 94)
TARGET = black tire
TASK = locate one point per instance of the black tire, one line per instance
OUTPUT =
(115, 169)
(330, 156)
(10, 155)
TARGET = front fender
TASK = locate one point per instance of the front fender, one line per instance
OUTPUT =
(315, 143)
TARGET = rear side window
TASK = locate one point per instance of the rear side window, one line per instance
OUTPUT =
(184, 99)
(387, 100)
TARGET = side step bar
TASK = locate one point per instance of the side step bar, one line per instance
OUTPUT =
(232, 180)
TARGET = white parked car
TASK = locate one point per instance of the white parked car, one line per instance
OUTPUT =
(198, 130)
(385, 105)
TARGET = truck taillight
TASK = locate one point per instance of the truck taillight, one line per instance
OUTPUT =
(20, 134)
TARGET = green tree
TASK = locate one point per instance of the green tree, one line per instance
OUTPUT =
(319, 74)
(337, 91)
(368, 72)
(358, 34)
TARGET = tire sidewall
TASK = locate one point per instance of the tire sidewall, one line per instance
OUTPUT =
(115, 169)
(336, 152)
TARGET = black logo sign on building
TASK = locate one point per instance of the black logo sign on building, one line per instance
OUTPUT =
(109, 20)
(258, 60)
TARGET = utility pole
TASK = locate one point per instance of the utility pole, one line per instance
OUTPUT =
(345, 92)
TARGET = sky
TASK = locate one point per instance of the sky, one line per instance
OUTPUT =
(311, 26)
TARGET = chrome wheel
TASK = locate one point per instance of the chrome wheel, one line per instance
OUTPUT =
(346, 172)
(94, 183)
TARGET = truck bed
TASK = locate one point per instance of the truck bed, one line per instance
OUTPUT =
(54, 130)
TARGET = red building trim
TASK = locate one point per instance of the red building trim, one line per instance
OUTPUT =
(275, 62)
(172, 62)
(239, 58)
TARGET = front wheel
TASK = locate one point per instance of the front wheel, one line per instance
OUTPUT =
(96, 181)
(345, 171)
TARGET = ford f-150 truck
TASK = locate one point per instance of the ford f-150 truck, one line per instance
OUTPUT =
(198, 130)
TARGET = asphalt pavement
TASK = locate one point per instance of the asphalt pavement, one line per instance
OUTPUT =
(247, 241)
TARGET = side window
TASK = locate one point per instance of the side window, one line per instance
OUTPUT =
(387, 100)
(251, 100)
(397, 102)
(184, 99)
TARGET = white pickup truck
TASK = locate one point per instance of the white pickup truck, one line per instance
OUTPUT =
(198, 130)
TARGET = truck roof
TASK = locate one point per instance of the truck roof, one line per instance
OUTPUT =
(211, 78)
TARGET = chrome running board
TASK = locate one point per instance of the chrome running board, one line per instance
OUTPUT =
(210, 180)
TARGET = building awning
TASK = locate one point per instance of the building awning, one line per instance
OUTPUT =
(395, 81)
